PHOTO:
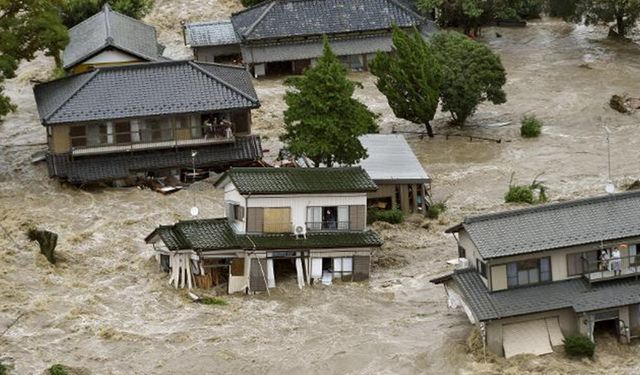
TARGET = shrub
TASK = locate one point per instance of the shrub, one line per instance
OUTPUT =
(519, 194)
(531, 127)
(4, 369)
(393, 216)
(579, 346)
(436, 209)
(58, 369)
(213, 301)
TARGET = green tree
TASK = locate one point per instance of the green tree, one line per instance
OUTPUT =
(249, 3)
(26, 27)
(624, 13)
(409, 78)
(76, 11)
(472, 74)
(323, 121)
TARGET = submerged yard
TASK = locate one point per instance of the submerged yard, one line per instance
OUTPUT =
(107, 307)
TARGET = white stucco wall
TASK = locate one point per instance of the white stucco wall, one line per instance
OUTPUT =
(111, 57)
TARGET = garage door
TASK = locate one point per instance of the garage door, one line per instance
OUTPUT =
(530, 337)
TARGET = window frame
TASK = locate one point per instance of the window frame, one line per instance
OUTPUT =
(481, 267)
(518, 273)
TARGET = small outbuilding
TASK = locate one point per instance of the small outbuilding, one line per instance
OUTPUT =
(401, 179)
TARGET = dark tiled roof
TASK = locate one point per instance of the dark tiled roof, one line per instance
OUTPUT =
(109, 29)
(282, 19)
(217, 234)
(314, 240)
(217, 33)
(299, 180)
(557, 225)
(573, 293)
(87, 169)
(142, 90)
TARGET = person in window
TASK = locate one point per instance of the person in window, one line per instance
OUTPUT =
(616, 261)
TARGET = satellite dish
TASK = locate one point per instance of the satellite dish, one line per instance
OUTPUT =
(610, 188)
(194, 211)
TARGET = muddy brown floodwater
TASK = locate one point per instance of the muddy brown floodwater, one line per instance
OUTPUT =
(107, 308)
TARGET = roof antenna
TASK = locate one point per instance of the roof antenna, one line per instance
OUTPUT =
(609, 187)
(194, 210)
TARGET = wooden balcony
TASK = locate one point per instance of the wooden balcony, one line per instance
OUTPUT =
(119, 142)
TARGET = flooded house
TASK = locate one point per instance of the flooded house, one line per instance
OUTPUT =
(285, 36)
(110, 38)
(149, 119)
(280, 223)
(402, 181)
(529, 277)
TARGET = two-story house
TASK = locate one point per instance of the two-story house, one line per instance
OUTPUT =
(307, 222)
(155, 118)
(529, 277)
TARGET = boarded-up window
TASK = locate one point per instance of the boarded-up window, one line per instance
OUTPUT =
(255, 219)
(357, 217)
(237, 267)
(277, 220)
(361, 265)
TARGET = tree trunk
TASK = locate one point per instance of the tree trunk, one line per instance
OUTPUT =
(620, 25)
(429, 129)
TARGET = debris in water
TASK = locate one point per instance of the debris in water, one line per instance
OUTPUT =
(624, 104)
(47, 241)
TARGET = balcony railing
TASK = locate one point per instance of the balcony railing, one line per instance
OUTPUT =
(615, 268)
(316, 226)
(146, 139)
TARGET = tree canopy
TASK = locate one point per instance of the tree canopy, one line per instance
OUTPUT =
(76, 11)
(323, 121)
(624, 13)
(472, 74)
(410, 78)
(27, 26)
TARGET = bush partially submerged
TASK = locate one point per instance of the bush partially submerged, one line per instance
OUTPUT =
(579, 346)
(213, 301)
(393, 216)
(536, 192)
(4, 369)
(436, 209)
(58, 369)
(531, 127)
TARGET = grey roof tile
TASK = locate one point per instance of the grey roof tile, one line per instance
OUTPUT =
(217, 234)
(109, 29)
(97, 168)
(299, 180)
(573, 293)
(277, 18)
(556, 225)
(390, 159)
(218, 33)
(142, 90)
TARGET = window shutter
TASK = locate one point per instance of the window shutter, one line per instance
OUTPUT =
(255, 219)
(357, 217)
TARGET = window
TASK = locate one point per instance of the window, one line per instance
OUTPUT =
(328, 218)
(579, 263)
(343, 268)
(78, 136)
(481, 267)
(462, 252)
(235, 211)
(527, 272)
(123, 132)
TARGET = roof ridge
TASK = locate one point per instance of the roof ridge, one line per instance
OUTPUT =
(260, 18)
(406, 8)
(204, 23)
(552, 206)
(106, 10)
(90, 77)
(220, 80)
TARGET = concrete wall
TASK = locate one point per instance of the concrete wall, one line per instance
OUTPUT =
(472, 253)
(566, 317)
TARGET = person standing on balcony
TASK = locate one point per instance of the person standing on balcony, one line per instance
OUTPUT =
(616, 262)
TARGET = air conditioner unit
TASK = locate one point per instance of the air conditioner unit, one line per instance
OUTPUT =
(300, 230)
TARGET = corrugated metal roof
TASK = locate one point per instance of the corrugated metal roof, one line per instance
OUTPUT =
(557, 225)
(142, 90)
(390, 159)
(298, 180)
(109, 29)
(217, 33)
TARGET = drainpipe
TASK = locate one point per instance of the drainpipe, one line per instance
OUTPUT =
(184, 32)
